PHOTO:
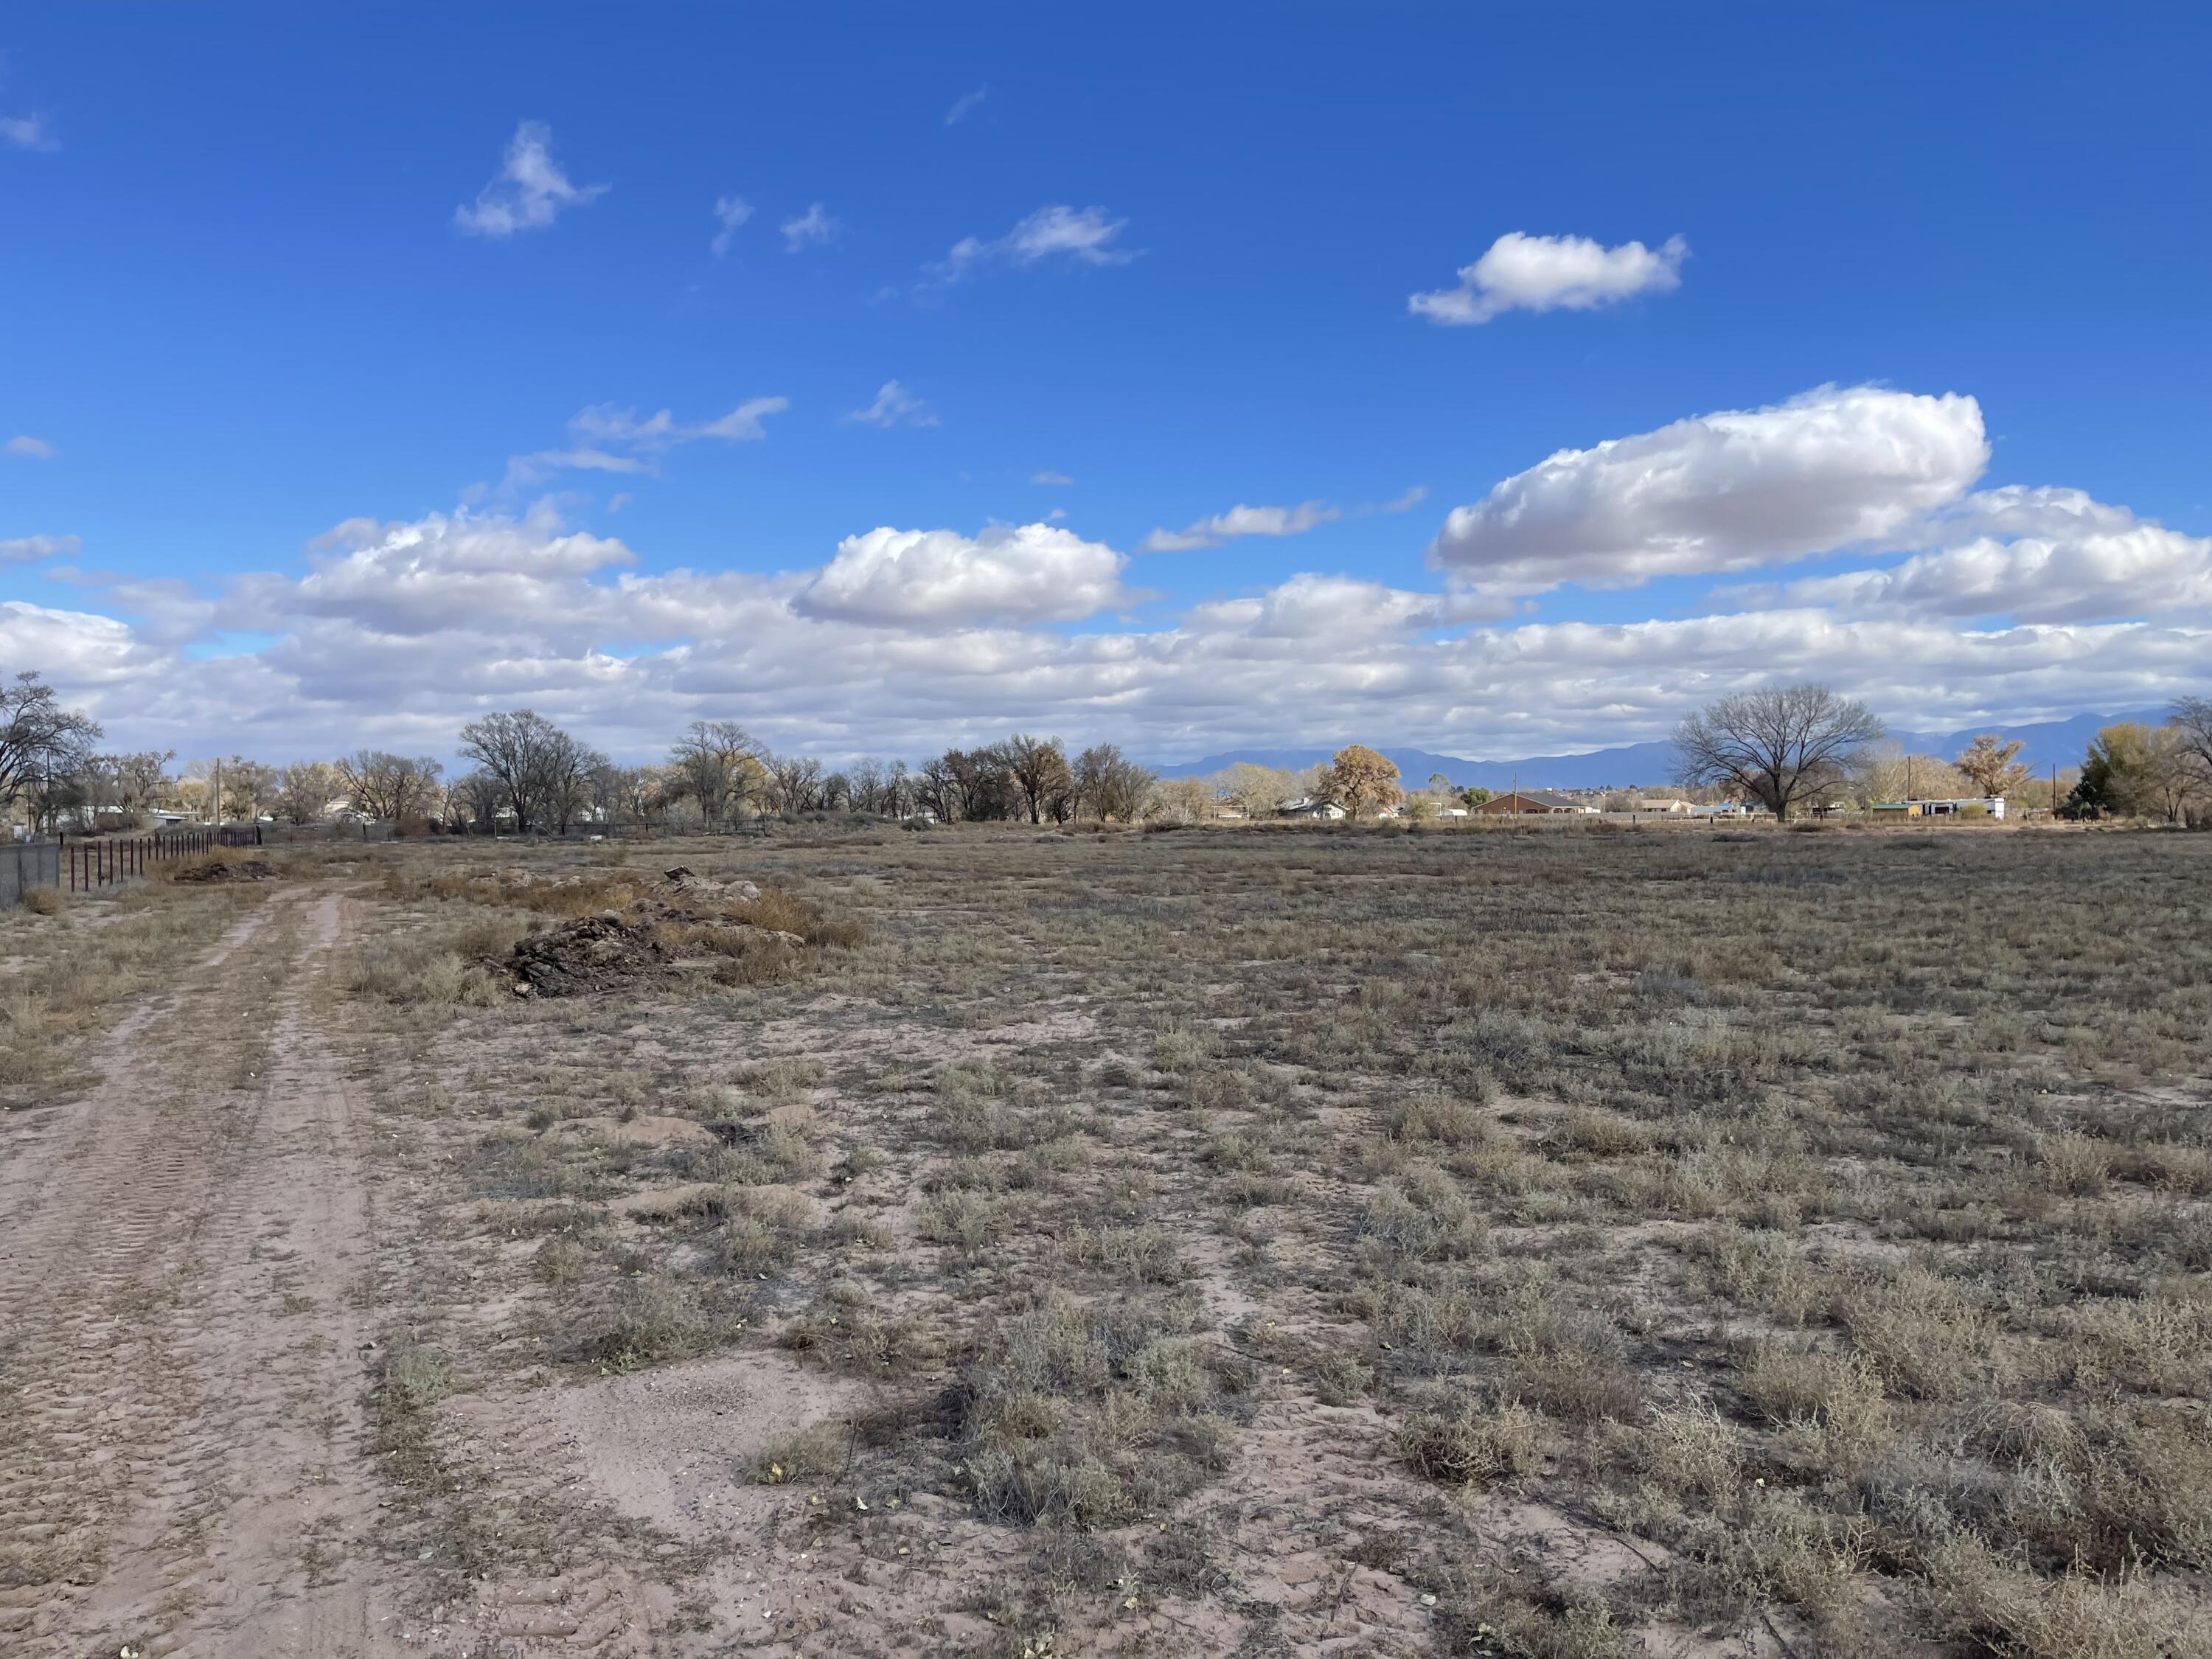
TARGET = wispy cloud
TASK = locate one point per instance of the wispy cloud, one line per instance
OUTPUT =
(530, 191)
(742, 425)
(608, 439)
(1083, 236)
(895, 406)
(1049, 477)
(730, 212)
(965, 106)
(25, 448)
(28, 550)
(1406, 502)
(1240, 521)
(27, 132)
(1552, 273)
(810, 228)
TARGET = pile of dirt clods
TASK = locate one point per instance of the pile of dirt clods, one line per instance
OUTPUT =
(219, 870)
(612, 949)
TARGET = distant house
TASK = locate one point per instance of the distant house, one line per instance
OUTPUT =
(1532, 802)
(1972, 806)
(1313, 808)
(1731, 809)
(1646, 804)
(1451, 811)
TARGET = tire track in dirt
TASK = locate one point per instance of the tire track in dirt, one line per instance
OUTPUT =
(63, 1163)
(185, 1463)
(98, 1195)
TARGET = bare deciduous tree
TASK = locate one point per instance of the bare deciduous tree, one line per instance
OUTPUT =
(882, 787)
(646, 792)
(1108, 785)
(571, 767)
(247, 787)
(1039, 769)
(128, 784)
(2191, 726)
(967, 784)
(1777, 746)
(1259, 792)
(305, 790)
(381, 784)
(41, 742)
(542, 768)
(481, 795)
(1180, 801)
(720, 766)
(795, 782)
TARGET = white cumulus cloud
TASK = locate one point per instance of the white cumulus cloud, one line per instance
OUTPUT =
(529, 192)
(2046, 555)
(1729, 491)
(1520, 272)
(394, 635)
(1336, 609)
(1031, 573)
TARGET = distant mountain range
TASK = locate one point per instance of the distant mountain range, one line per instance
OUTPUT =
(2049, 744)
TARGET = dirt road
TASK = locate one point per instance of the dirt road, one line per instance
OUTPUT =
(184, 1371)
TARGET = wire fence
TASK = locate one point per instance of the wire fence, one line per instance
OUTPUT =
(85, 864)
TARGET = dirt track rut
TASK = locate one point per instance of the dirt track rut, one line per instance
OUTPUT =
(184, 1456)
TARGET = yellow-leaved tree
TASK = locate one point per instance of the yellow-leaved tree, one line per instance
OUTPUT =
(1362, 783)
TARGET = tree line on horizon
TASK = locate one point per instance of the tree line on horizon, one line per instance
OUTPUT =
(1792, 747)
(1787, 749)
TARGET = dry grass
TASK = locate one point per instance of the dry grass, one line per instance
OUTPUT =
(1819, 1223)
(72, 969)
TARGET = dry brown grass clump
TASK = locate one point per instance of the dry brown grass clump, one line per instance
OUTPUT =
(1093, 1416)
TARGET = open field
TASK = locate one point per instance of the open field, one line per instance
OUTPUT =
(1542, 1240)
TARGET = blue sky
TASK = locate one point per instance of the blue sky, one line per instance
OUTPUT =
(258, 288)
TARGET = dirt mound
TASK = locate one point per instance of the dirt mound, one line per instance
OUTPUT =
(592, 953)
(649, 939)
(219, 870)
(689, 884)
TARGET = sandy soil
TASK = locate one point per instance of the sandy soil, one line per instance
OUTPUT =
(281, 1187)
(184, 1464)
